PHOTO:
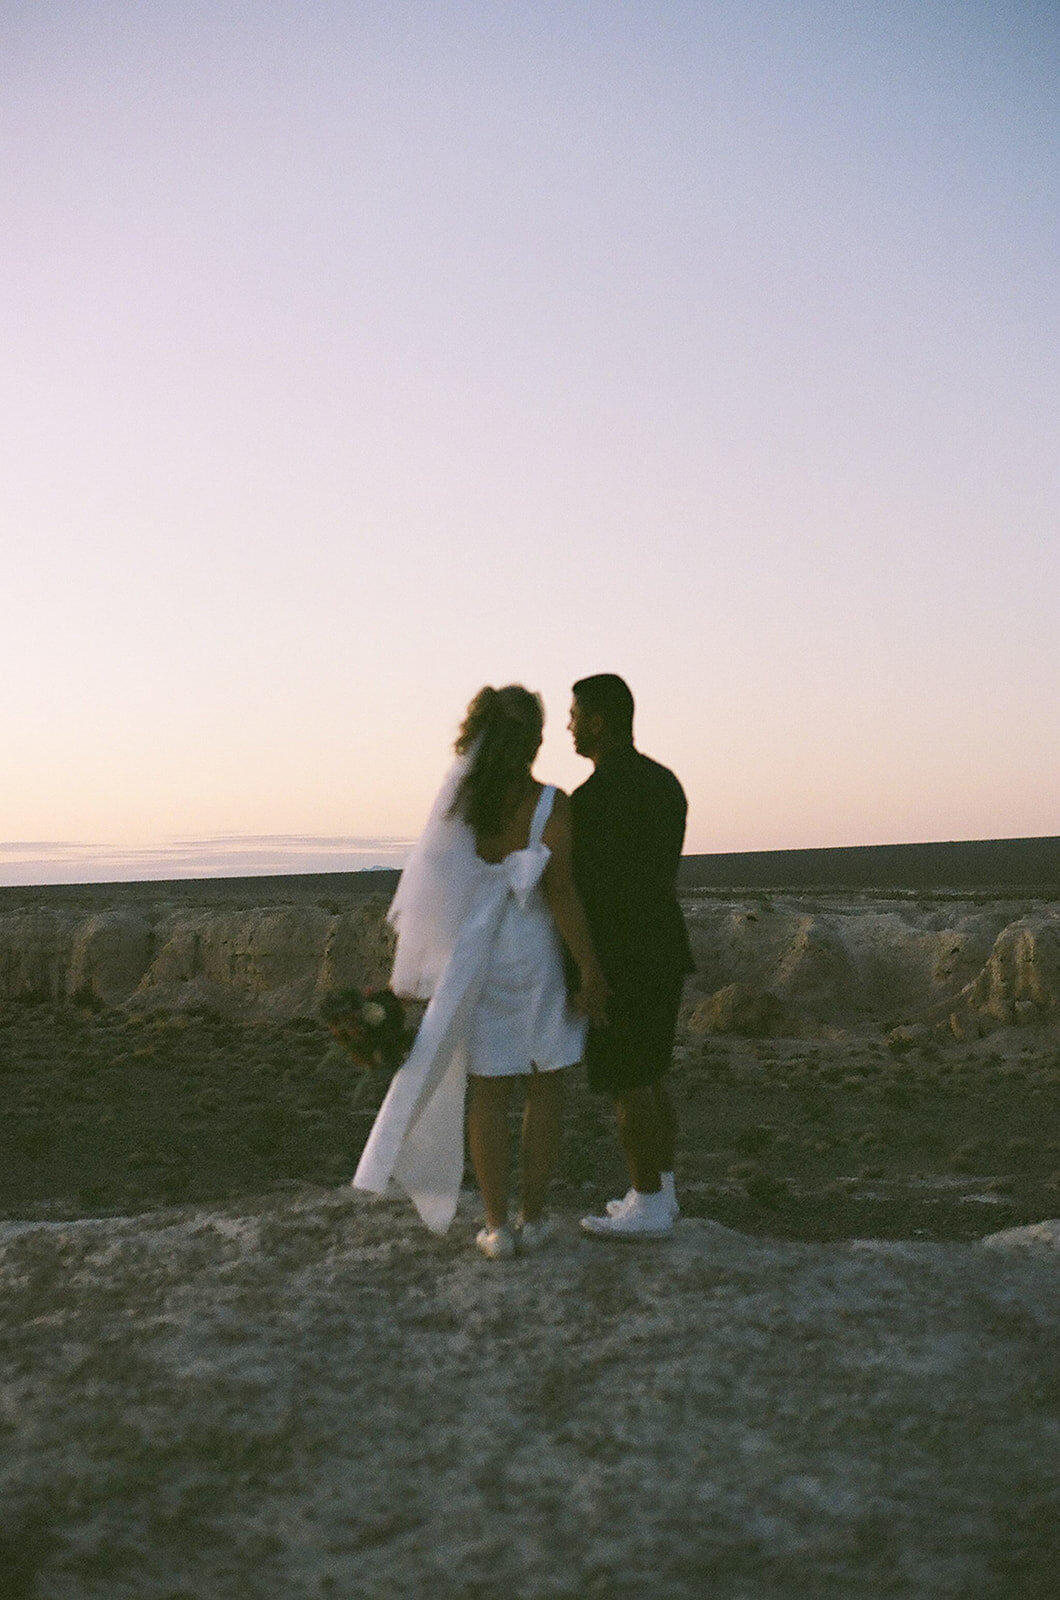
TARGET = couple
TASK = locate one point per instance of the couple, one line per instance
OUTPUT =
(506, 874)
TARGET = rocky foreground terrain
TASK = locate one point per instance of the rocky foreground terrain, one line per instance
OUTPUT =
(305, 1396)
(224, 1374)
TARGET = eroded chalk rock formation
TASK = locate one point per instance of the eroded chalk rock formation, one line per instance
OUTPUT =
(1021, 980)
(740, 1008)
(275, 959)
(766, 965)
(109, 953)
(270, 957)
(786, 964)
(35, 953)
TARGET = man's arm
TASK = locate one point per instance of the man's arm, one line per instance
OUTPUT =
(569, 914)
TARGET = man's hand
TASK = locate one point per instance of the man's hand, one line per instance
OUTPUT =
(592, 997)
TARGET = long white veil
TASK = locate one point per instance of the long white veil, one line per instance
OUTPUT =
(434, 892)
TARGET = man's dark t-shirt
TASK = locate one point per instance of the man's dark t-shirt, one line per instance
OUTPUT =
(628, 822)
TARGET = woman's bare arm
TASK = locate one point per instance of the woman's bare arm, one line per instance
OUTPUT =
(568, 913)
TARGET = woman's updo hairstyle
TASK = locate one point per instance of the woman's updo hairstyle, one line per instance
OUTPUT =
(503, 728)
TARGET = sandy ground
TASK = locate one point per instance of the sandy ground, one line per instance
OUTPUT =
(278, 1388)
(223, 1374)
(108, 1111)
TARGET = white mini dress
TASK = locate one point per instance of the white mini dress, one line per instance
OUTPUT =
(523, 1018)
(498, 1008)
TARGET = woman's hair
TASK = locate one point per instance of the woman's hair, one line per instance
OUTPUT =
(502, 732)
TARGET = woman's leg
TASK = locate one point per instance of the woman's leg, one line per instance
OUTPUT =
(487, 1135)
(542, 1131)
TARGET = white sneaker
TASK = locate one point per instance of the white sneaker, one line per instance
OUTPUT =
(532, 1235)
(615, 1208)
(647, 1216)
(496, 1243)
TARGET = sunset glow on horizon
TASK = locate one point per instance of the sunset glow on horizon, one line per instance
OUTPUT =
(357, 356)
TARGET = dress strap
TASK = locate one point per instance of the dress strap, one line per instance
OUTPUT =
(542, 812)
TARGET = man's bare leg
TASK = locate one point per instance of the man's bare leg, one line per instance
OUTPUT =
(647, 1129)
(666, 1125)
(638, 1133)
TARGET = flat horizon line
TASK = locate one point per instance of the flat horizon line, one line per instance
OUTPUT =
(1015, 861)
(45, 863)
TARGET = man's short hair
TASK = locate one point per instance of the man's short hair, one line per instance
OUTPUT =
(607, 695)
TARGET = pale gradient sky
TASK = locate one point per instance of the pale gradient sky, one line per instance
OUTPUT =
(358, 354)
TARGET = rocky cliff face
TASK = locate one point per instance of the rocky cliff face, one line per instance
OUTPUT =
(276, 960)
(785, 964)
(781, 964)
(1021, 980)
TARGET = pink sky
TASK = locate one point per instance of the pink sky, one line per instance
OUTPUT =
(356, 356)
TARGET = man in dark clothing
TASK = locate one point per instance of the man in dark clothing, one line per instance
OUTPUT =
(628, 826)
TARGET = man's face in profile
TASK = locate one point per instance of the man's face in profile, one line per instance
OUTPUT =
(584, 729)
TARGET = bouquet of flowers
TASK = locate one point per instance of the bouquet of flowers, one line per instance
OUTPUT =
(369, 1025)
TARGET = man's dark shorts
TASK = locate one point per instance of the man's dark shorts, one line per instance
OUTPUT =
(637, 1045)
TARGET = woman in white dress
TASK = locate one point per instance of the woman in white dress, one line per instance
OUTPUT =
(482, 906)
